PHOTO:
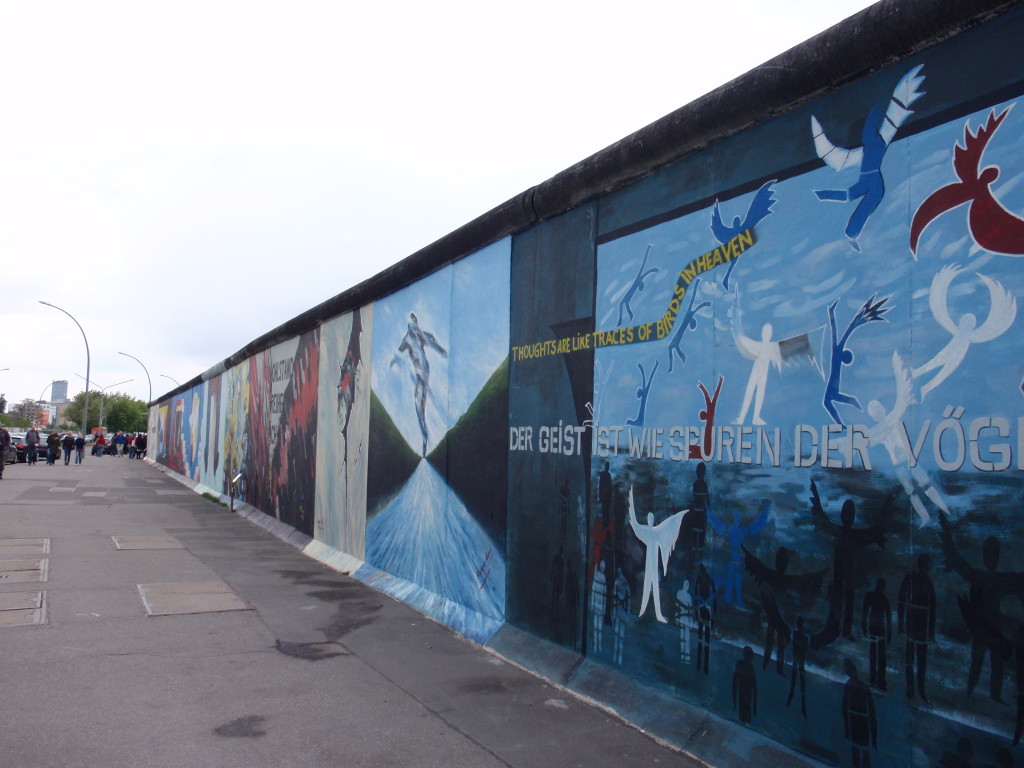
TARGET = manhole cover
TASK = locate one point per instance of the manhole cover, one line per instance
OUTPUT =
(146, 542)
(190, 597)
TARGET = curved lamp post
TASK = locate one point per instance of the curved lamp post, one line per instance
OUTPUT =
(147, 375)
(85, 402)
(172, 379)
(103, 397)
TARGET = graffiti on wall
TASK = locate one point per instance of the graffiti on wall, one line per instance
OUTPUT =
(805, 433)
(342, 443)
(435, 512)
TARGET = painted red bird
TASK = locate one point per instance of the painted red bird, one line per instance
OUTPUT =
(992, 226)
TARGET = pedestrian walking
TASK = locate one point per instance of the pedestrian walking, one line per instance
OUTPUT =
(68, 444)
(52, 449)
(31, 446)
(5, 444)
(79, 448)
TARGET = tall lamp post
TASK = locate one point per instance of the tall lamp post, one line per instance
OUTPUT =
(103, 397)
(171, 378)
(147, 375)
(85, 405)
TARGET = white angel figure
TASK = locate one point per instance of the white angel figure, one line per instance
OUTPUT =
(660, 540)
(886, 432)
(967, 331)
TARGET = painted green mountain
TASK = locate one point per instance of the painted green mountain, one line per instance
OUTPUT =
(474, 455)
(392, 460)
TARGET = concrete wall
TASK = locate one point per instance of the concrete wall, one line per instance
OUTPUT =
(743, 427)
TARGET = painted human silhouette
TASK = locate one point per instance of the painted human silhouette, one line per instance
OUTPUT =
(415, 343)
(737, 533)
(876, 626)
(991, 226)
(915, 616)
(642, 393)
(982, 607)
(623, 599)
(557, 582)
(698, 517)
(773, 581)
(876, 135)
(759, 208)
(847, 564)
(765, 353)
(966, 331)
(804, 641)
(870, 312)
(685, 322)
(887, 432)
(685, 620)
(1018, 670)
(744, 687)
(634, 287)
(860, 722)
(659, 540)
(707, 417)
(705, 595)
(598, 604)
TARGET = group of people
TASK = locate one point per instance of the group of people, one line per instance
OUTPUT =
(132, 444)
(52, 446)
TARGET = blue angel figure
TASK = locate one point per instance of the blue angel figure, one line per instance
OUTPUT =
(687, 322)
(879, 129)
(869, 312)
(758, 209)
(738, 533)
(636, 285)
(642, 392)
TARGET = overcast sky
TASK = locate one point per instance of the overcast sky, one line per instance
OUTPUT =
(183, 177)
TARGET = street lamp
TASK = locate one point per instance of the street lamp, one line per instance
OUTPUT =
(147, 375)
(103, 397)
(172, 379)
(85, 405)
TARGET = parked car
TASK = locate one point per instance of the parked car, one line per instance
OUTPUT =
(12, 453)
(20, 446)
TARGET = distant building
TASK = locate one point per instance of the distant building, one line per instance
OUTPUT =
(59, 391)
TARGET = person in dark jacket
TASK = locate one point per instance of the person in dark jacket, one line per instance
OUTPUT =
(68, 443)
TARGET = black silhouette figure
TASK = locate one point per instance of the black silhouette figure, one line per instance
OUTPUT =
(777, 630)
(876, 625)
(916, 617)
(981, 609)
(1018, 660)
(604, 494)
(847, 563)
(744, 687)
(1003, 759)
(860, 724)
(557, 577)
(564, 507)
(705, 600)
(959, 759)
(572, 601)
(698, 517)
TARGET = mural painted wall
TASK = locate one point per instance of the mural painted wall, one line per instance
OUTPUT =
(438, 419)
(802, 420)
(342, 432)
(749, 430)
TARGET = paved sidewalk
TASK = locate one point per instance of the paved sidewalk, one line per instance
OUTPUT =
(257, 655)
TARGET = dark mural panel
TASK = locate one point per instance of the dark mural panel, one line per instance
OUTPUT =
(796, 501)
(549, 459)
